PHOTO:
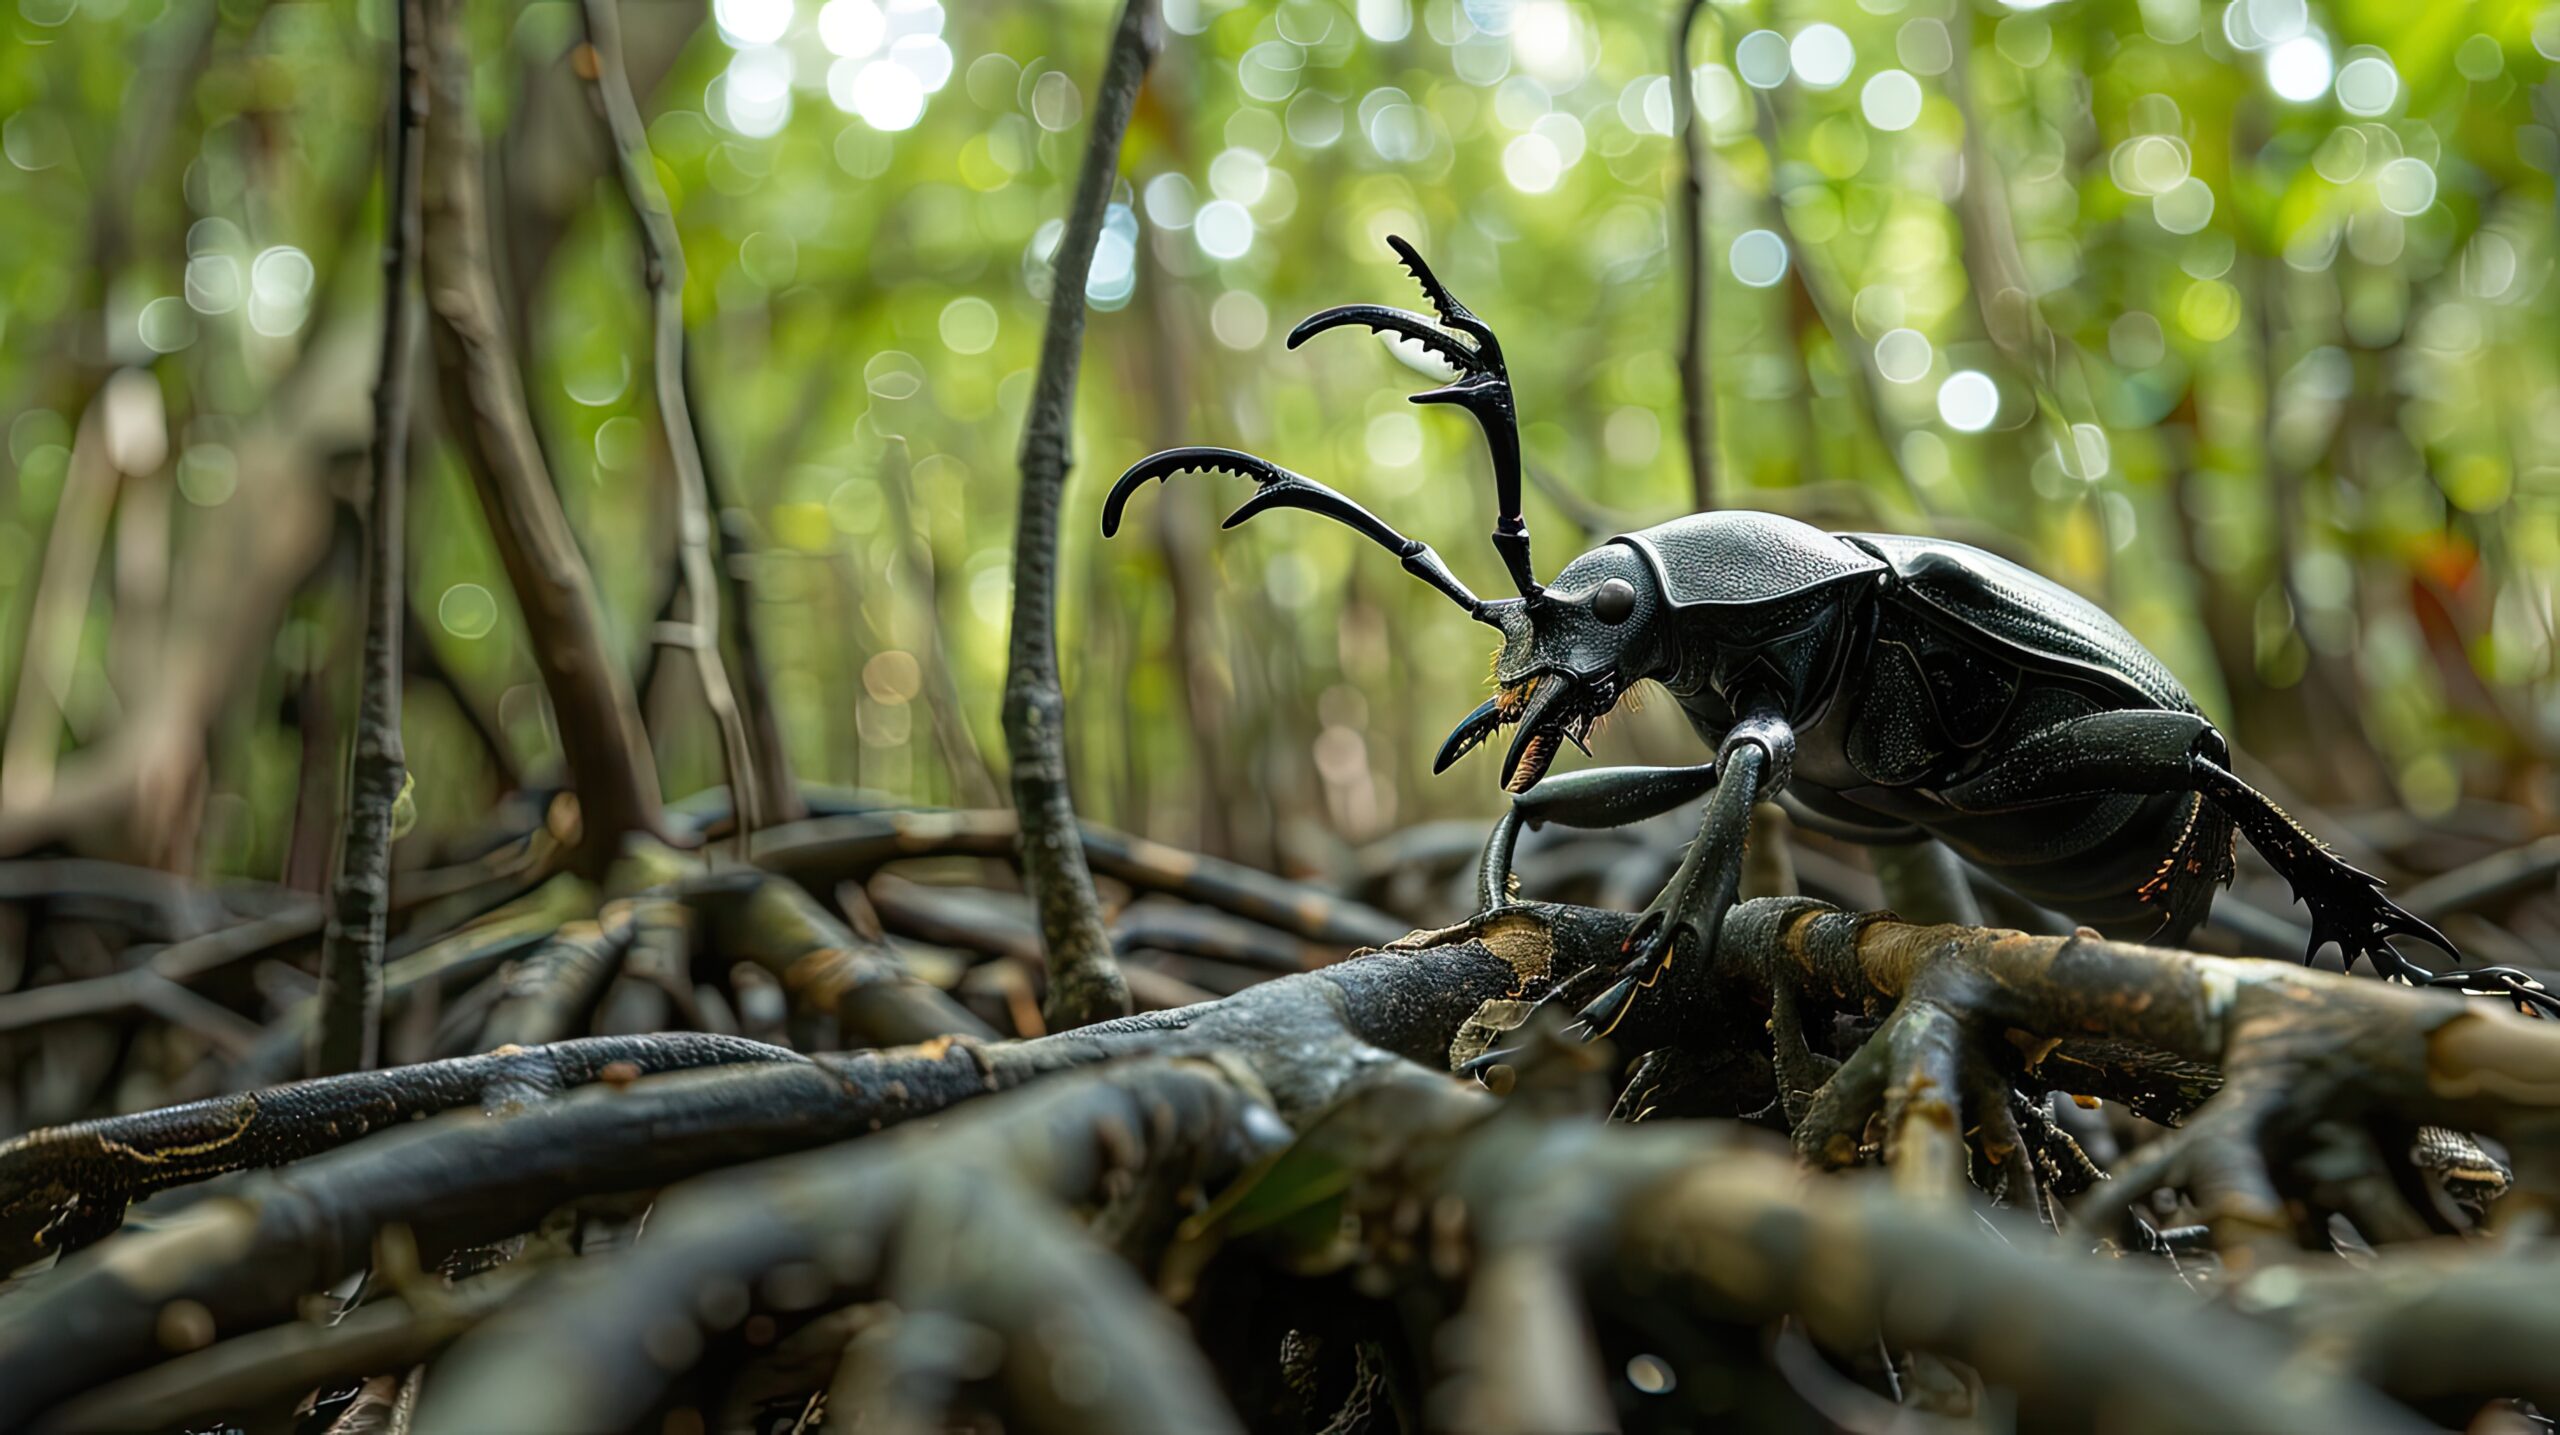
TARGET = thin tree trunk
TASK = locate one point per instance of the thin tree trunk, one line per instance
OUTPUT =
(348, 1034)
(662, 265)
(971, 784)
(730, 531)
(602, 741)
(50, 656)
(1084, 982)
(1697, 386)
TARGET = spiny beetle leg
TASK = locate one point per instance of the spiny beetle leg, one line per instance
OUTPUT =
(2347, 905)
(1693, 904)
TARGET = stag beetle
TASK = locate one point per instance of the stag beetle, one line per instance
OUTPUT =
(1892, 688)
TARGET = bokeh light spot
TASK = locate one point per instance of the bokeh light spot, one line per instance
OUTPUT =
(213, 284)
(1903, 356)
(2406, 185)
(2298, 69)
(1385, 21)
(1891, 100)
(467, 611)
(751, 22)
(893, 374)
(1968, 401)
(2367, 85)
(969, 325)
(1822, 55)
(208, 474)
(1924, 46)
(1393, 439)
(2480, 59)
(2134, 340)
(165, 325)
(854, 29)
(1239, 174)
(1314, 120)
(1531, 163)
(1170, 200)
(755, 91)
(926, 58)
(2184, 209)
(1631, 435)
(1762, 59)
(1239, 320)
(893, 676)
(884, 94)
(1114, 275)
(2209, 310)
(1224, 229)
(1759, 258)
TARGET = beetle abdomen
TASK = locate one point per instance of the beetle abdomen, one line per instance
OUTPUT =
(2035, 618)
(2152, 879)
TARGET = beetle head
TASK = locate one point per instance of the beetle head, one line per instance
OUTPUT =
(1569, 652)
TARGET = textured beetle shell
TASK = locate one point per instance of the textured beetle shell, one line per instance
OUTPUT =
(2027, 614)
(1736, 557)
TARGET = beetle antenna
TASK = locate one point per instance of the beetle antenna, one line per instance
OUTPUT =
(1482, 388)
(1277, 487)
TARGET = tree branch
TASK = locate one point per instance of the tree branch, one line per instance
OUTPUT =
(931, 1232)
(824, 849)
(602, 742)
(663, 266)
(348, 1035)
(1697, 385)
(73, 545)
(66, 1185)
(971, 783)
(2252, 1050)
(1084, 982)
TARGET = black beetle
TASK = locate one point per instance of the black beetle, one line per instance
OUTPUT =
(1893, 688)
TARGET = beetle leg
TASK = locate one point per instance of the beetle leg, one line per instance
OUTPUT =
(1754, 763)
(1756, 755)
(2347, 905)
(1593, 797)
(2158, 751)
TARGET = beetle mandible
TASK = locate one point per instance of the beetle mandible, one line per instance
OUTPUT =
(1893, 688)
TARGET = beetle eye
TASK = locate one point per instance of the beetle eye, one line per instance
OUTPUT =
(1614, 602)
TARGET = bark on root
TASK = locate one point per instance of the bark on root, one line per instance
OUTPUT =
(1301, 1129)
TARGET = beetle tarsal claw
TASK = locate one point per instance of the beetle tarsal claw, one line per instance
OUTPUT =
(1609, 1008)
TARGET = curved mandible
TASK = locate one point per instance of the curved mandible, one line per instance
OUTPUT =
(1483, 388)
(1402, 323)
(1277, 487)
(1452, 313)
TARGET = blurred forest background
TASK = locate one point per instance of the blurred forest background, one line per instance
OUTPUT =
(2236, 316)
